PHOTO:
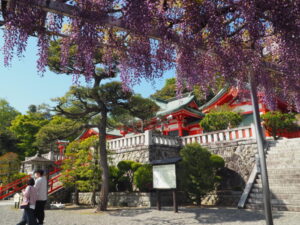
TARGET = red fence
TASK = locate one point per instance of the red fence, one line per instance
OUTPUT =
(17, 185)
(13, 187)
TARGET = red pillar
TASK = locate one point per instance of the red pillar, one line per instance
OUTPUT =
(180, 123)
(61, 151)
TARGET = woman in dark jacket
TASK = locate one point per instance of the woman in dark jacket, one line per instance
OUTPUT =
(28, 204)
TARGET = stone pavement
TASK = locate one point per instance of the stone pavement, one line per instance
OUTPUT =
(147, 216)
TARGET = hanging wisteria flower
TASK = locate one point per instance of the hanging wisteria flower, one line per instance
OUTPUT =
(207, 41)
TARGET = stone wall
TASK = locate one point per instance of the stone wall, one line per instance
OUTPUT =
(223, 198)
(138, 154)
(134, 199)
(239, 159)
(239, 156)
(143, 154)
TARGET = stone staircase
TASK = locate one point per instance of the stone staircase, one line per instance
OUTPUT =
(283, 164)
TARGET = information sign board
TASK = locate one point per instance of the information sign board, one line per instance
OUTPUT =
(164, 176)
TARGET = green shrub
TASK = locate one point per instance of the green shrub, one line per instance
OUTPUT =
(18, 176)
(113, 178)
(198, 171)
(125, 165)
(124, 184)
(220, 120)
(143, 178)
(217, 161)
(276, 122)
(135, 165)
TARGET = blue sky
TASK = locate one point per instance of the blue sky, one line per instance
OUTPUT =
(21, 85)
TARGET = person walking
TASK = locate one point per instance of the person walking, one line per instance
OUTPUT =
(42, 195)
(28, 204)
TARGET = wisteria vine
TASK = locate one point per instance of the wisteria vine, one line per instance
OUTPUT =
(205, 40)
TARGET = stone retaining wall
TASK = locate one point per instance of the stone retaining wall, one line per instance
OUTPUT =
(134, 199)
(144, 154)
(239, 157)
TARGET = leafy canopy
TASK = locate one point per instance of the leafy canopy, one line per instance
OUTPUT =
(25, 128)
(58, 128)
(8, 142)
(7, 114)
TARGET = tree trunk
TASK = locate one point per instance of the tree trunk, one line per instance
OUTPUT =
(198, 200)
(93, 200)
(102, 206)
(76, 196)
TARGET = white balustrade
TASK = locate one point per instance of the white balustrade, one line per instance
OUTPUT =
(222, 135)
(126, 142)
(148, 138)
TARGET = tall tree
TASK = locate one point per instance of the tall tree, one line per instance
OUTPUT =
(25, 127)
(8, 142)
(7, 114)
(82, 102)
(92, 104)
(9, 167)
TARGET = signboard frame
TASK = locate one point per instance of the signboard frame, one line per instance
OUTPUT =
(164, 176)
(161, 163)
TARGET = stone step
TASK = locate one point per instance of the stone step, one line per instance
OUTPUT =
(292, 165)
(284, 148)
(295, 162)
(284, 152)
(277, 196)
(286, 141)
(294, 208)
(287, 171)
(282, 160)
(283, 181)
(275, 201)
(281, 176)
(278, 189)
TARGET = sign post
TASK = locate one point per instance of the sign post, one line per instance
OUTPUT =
(164, 178)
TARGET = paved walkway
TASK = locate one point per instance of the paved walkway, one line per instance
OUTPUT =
(193, 216)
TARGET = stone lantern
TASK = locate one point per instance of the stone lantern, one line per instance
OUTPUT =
(37, 162)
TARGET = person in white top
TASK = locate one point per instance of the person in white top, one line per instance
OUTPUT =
(42, 195)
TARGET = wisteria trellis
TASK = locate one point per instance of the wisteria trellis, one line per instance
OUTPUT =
(201, 38)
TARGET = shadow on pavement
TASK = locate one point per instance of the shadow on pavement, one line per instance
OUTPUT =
(198, 215)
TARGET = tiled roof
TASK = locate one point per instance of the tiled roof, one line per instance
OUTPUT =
(174, 104)
(215, 98)
(38, 158)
